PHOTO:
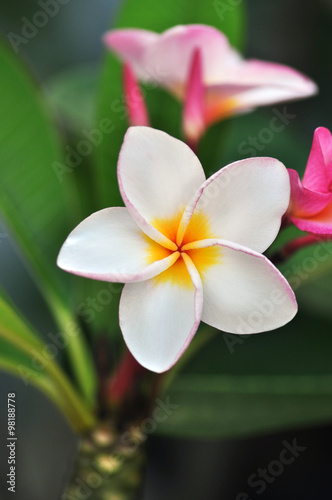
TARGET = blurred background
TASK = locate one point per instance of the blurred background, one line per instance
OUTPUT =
(296, 33)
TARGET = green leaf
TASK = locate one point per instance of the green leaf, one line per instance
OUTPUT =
(32, 198)
(12, 328)
(161, 16)
(15, 363)
(71, 94)
(222, 406)
(25, 355)
(309, 272)
(255, 134)
(34, 204)
(18, 364)
(255, 384)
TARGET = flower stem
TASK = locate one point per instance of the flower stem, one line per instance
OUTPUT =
(294, 246)
(128, 372)
(109, 465)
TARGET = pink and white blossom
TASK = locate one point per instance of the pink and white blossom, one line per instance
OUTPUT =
(188, 249)
(310, 206)
(197, 64)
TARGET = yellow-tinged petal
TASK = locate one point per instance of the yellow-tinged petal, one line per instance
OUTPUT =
(176, 275)
(204, 259)
(199, 228)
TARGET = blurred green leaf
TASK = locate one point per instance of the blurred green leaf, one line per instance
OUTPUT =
(309, 272)
(14, 351)
(254, 134)
(221, 406)
(17, 363)
(256, 384)
(72, 94)
(14, 330)
(164, 15)
(21, 368)
(25, 355)
(35, 203)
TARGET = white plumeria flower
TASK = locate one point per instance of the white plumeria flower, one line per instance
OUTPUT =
(187, 248)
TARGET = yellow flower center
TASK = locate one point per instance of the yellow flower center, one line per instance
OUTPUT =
(199, 228)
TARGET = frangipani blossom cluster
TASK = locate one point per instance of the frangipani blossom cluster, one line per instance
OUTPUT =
(310, 207)
(197, 64)
(188, 249)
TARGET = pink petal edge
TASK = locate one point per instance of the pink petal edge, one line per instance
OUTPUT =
(304, 202)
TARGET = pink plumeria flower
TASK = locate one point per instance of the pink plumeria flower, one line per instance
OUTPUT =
(310, 206)
(197, 64)
(187, 248)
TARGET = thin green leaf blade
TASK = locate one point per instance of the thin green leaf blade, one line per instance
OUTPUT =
(14, 329)
(17, 364)
(224, 406)
(21, 347)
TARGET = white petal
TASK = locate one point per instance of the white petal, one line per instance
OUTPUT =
(109, 246)
(158, 175)
(244, 202)
(159, 319)
(244, 293)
